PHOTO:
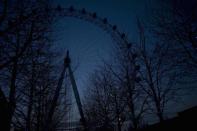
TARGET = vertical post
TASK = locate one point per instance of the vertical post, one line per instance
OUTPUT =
(55, 99)
(75, 90)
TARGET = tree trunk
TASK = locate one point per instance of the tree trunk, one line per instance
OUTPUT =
(31, 95)
(4, 123)
(28, 123)
(12, 101)
(160, 116)
(119, 125)
(159, 111)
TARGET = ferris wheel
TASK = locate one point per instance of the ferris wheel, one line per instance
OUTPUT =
(117, 36)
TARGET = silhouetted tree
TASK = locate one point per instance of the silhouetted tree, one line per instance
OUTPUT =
(159, 75)
(175, 23)
(36, 85)
(116, 87)
(127, 72)
(99, 100)
(24, 27)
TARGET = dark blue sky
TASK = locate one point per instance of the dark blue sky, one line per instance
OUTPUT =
(88, 44)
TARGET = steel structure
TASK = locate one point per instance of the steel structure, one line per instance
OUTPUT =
(120, 38)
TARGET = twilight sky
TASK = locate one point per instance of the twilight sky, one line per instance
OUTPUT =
(88, 44)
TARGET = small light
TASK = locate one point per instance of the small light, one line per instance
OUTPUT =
(119, 119)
